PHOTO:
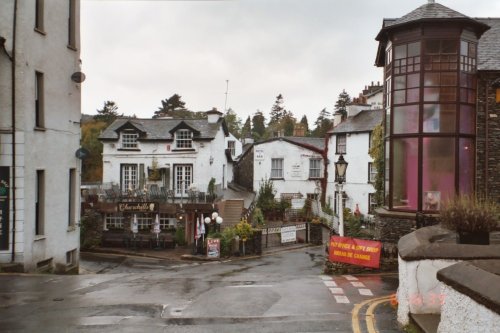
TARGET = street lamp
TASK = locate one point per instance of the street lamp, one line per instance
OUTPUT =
(216, 219)
(340, 169)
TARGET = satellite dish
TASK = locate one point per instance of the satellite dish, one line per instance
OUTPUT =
(82, 153)
(78, 77)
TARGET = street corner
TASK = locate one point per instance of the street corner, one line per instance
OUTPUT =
(376, 315)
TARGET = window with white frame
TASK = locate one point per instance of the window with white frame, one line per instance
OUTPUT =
(341, 144)
(372, 172)
(112, 221)
(277, 168)
(129, 139)
(128, 176)
(315, 168)
(231, 145)
(167, 221)
(183, 179)
(183, 139)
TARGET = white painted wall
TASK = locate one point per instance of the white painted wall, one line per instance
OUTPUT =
(419, 290)
(52, 148)
(295, 167)
(376, 100)
(461, 314)
(356, 186)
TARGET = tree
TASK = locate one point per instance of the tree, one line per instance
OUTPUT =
(92, 165)
(323, 124)
(341, 105)
(377, 153)
(247, 128)
(173, 107)
(259, 127)
(305, 123)
(233, 123)
(277, 111)
(108, 113)
(288, 123)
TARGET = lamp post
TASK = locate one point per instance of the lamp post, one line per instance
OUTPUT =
(216, 220)
(340, 169)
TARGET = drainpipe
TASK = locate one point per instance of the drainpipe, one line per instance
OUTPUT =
(13, 77)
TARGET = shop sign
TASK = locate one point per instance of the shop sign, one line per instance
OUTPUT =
(137, 207)
(213, 247)
(289, 234)
(355, 251)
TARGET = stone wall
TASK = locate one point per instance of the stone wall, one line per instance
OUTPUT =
(488, 137)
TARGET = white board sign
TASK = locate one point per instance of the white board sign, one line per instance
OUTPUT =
(259, 154)
(288, 234)
(298, 203)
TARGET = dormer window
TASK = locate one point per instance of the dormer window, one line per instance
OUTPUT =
(129, 139)
(184, 139)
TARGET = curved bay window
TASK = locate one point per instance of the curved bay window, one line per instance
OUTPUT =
(430, 119)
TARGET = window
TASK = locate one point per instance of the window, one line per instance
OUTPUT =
(467, 56)
(372, 204)
(39, 103)
(40, 202)
(71, 258)
(112, 221)
(39, 7)
(231, 145)
(277, 168)
(315, 168)
(128, 176)
(129, 139)
(72, 197)
(407, 58)
(372, 173)
(341, 144)
(183, 179)
(183, 139)
(72, 24)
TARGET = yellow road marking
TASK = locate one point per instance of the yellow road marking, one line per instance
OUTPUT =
(370, 318)
(355, 312)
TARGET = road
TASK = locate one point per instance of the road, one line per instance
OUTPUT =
(284, 292)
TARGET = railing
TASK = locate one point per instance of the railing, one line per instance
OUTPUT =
(333, 221)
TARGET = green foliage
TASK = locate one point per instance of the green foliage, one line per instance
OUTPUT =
(341, 104)
(246, 131)
(180, 236)
(352, 224)
(172, 106)
(108, 113)
(258, 217)
(277, 111)
(92, 165)
(265, 198)
(323, 124)
(305, 123)
(377, 153)
(243, 229)
(226, 239)
(259, 125)
(470, 214)
(154, 175)
(328, 210)
(211, 187)
(89, 230)
(233, 123)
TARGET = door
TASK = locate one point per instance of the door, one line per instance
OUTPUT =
(183, 179)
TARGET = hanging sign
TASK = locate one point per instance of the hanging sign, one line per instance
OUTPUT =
(355, 251)
(4, 207)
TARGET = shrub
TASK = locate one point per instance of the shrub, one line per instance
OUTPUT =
(258, 217)
(265, 198)
(226, 240)
(179, 236)
(468, 213)
(243, 229)
(89, 230)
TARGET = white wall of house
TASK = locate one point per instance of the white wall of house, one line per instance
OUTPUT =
(376, 100)
(296, 164)
(357, 187)
(49, 147)
(208, 160)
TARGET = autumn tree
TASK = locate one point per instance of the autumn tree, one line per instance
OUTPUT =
(108, 113)
(92, 165)
(341, 104)
(233, 123)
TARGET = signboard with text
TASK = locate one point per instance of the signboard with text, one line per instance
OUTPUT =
(4, 207)
(289, 234)
(138, 207)
(355, 251)
(213, 247)
(259, 154)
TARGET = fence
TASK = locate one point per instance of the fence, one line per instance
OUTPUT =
(286, 234)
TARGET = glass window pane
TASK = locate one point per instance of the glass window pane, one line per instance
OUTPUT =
(431, 79)
(467, 119)
(412, 95)
(400, 82)
(413, 80)
(431, 94)
(438, 171)
(414, 49)
(439, 118)
(400, 97)
(464, 48)
(448, 47)
(432, 46)
(449, 79)
(405, 174)
(406, 119)
(400, 51)
(466, 163)
(448, 94)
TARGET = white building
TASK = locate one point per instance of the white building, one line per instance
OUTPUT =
(294, 164)
(186, 153)
(39, 134)
(352, 139)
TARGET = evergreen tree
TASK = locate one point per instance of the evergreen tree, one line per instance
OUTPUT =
(108, 113)
(341, 105)
(323, 124)
(173, 107)
(377, 153)
(288, 123)
(233, 123)
(259, 127)
(277, 111)
(247, 128)
(305, 123)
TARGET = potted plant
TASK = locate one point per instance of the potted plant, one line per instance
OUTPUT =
(471, 217)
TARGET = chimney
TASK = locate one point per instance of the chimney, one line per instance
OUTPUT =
(337, 118)
(213, 116)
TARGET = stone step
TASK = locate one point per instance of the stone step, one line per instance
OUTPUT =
(428, 323)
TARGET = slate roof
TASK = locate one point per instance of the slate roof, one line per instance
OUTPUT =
(489, 46)
(159, 129)
(364, 121)
(316, 144)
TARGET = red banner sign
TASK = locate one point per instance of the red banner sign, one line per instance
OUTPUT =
(355, 251)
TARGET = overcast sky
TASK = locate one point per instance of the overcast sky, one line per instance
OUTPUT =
(137, 53)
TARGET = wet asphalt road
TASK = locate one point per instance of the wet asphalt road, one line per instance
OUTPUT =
(284, 292)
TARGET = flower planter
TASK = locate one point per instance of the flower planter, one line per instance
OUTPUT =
(477, 238)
